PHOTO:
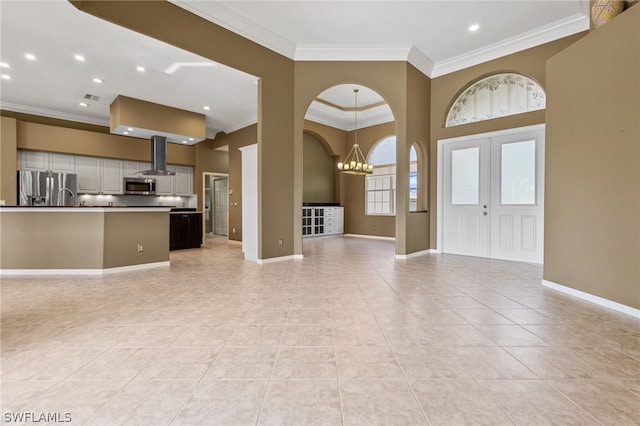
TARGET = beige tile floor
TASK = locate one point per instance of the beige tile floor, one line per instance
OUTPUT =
(346, 336)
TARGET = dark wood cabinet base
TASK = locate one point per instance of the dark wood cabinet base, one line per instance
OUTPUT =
(185, 230)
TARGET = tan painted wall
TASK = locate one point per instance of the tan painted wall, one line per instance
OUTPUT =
(51, 240)
(8, 161)
(445, 90)
(592, 203)
(235, 140)
(416, 224)
(40, 137)
(124, 231)
(82, 240)
(335, 142)
(319, 172)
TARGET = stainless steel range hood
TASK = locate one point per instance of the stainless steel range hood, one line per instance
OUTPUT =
(158, 158)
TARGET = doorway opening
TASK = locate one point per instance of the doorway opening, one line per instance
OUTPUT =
(491, 195)
(216, 204)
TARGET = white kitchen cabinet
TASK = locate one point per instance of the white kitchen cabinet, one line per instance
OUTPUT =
(99, 175)
(62, 163)
(322, 220)
(179, 184)
(45, 161)
(34, 160)
(183, 184)
(132, 168)
(88, 169)
(111, 178)
(164, 184)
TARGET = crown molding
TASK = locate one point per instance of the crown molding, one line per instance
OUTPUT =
(232, 21)
(25, 109)
(241, 124)
(343, 120)
(422, 62)
(317, 52)
(227, 18)
(554, 31)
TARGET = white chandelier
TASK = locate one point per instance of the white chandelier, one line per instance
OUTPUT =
(355, 163)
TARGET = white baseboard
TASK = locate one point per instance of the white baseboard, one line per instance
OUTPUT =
(372, 237)
(414, 254)
(280, 259)
(108, 271)
(593, 299)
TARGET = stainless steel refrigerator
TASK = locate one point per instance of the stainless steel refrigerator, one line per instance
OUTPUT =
(47, 188)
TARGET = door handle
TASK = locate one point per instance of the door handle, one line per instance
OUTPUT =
(485, 206)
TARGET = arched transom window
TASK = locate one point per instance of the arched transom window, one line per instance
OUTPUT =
(496, 96)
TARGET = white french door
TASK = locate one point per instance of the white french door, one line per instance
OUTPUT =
(492, 196)
(466, 198)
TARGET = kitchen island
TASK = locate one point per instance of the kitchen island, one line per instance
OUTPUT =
(82, 240)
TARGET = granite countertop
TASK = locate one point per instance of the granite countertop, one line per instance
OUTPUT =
(86, 209)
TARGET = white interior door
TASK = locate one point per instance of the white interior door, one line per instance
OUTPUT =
(466, 198)
(492, 196)
(221, 206)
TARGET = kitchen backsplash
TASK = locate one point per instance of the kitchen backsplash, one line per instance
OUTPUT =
(138, 200)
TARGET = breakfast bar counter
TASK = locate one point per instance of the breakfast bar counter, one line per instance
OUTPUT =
(82, 240)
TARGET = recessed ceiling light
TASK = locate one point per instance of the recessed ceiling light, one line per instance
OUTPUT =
(79, 58)
(130, 129)
(140, 69)
(97, 80)
(6, 77)
(125, 133)
(84, 104)
(30, 56)
(4, 65)
(184, 141)
(207, 107)
(474, 27)
(191, 139)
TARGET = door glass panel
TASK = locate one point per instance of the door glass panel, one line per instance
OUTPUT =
(465, 176)
(518, 174)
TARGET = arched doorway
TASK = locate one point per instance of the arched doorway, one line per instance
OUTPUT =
(332, 118)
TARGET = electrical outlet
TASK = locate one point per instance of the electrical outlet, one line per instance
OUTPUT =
(140, 248)
(234, 230)
(280, 242)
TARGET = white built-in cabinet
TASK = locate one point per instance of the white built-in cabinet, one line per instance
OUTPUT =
(322, 220)
(179, 184)
(164, 184)
(111, 181)
(99, 175)
(47, 161)
(183, 180)
(105, 175)
(132, 168)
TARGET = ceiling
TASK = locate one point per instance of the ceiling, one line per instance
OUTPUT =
(432, 35)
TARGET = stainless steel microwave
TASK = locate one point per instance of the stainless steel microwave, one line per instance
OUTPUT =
(139, 186)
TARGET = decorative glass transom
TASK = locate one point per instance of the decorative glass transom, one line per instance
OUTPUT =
(496, 96)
